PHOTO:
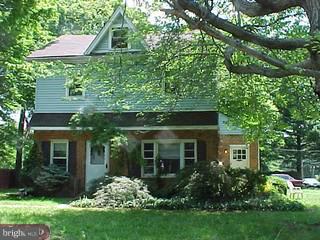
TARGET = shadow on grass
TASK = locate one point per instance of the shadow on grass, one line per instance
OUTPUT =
(7, 198)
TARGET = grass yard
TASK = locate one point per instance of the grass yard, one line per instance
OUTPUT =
(93, 224)
(29, 201)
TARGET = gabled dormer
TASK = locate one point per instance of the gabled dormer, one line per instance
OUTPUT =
(118, 34)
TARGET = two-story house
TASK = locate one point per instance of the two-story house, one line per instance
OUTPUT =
(195, 131)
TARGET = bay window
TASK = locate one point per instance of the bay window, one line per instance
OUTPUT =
(167, 157)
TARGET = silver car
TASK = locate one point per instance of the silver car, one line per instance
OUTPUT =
(311, 182)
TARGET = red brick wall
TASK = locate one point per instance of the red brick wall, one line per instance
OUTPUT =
(79, 178)
(215, 146)
(224, 149)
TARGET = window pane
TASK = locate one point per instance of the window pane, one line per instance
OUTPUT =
(169, 166)
(239, 154)
(60, 150)
(169, 158)
(189, 146)
(62, 163)
(148, 168)
(169, 151)
(119, 38)
(75, 89)
(148, 154)
(148, 146)
(189, 153)
(97, 156)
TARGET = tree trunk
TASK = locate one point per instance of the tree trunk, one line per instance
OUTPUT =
(312, 8)
(19, 146)
(299, 153)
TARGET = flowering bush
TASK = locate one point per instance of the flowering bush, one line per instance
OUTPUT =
(122, 192)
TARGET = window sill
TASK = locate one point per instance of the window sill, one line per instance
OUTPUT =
(75, 98)
(163, 176)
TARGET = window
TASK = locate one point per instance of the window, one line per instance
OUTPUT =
(75, 90)
(59, 153)
(149, 158)
(168, 156)
(119, 37)
(97, 155)
(239, 153)
(171, 88)
(189, 154)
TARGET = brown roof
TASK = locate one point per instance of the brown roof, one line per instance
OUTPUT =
(76, 45)
(63, 46)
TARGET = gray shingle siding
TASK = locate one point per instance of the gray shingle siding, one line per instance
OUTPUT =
(51, 98)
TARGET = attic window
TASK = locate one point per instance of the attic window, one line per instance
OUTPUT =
(75, 90)
(119, 38)
(171, 87)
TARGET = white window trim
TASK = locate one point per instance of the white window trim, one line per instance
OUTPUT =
(240, 146)
(168, 141)
(111, 30)
(67, 151)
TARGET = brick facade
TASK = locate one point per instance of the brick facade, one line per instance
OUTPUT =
(216, 147)
(224, 150)
(78, 181)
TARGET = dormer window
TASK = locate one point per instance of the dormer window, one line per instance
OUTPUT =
(75, 90)
(119, 38)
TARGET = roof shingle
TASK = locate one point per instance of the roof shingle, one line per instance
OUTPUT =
(65, 46)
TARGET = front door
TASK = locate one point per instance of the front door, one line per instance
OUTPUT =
(97, 162)
(239, 156)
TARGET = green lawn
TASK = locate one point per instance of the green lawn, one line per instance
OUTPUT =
(73, 223)
(29, 201)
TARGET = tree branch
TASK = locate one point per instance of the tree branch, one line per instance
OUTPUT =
(266, 71)
(232, 42)
(236, 31)
(264, 7)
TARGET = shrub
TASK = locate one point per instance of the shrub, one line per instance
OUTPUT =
(50, 179)
(274, 202)
(83, 202)
(34, 159)
(97, 184)
(162, 187)
(276, 185)
(31, 165)
(122, 192)
(208, 182)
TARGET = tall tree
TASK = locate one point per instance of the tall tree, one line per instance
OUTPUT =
(22, 28)
(271, 53)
